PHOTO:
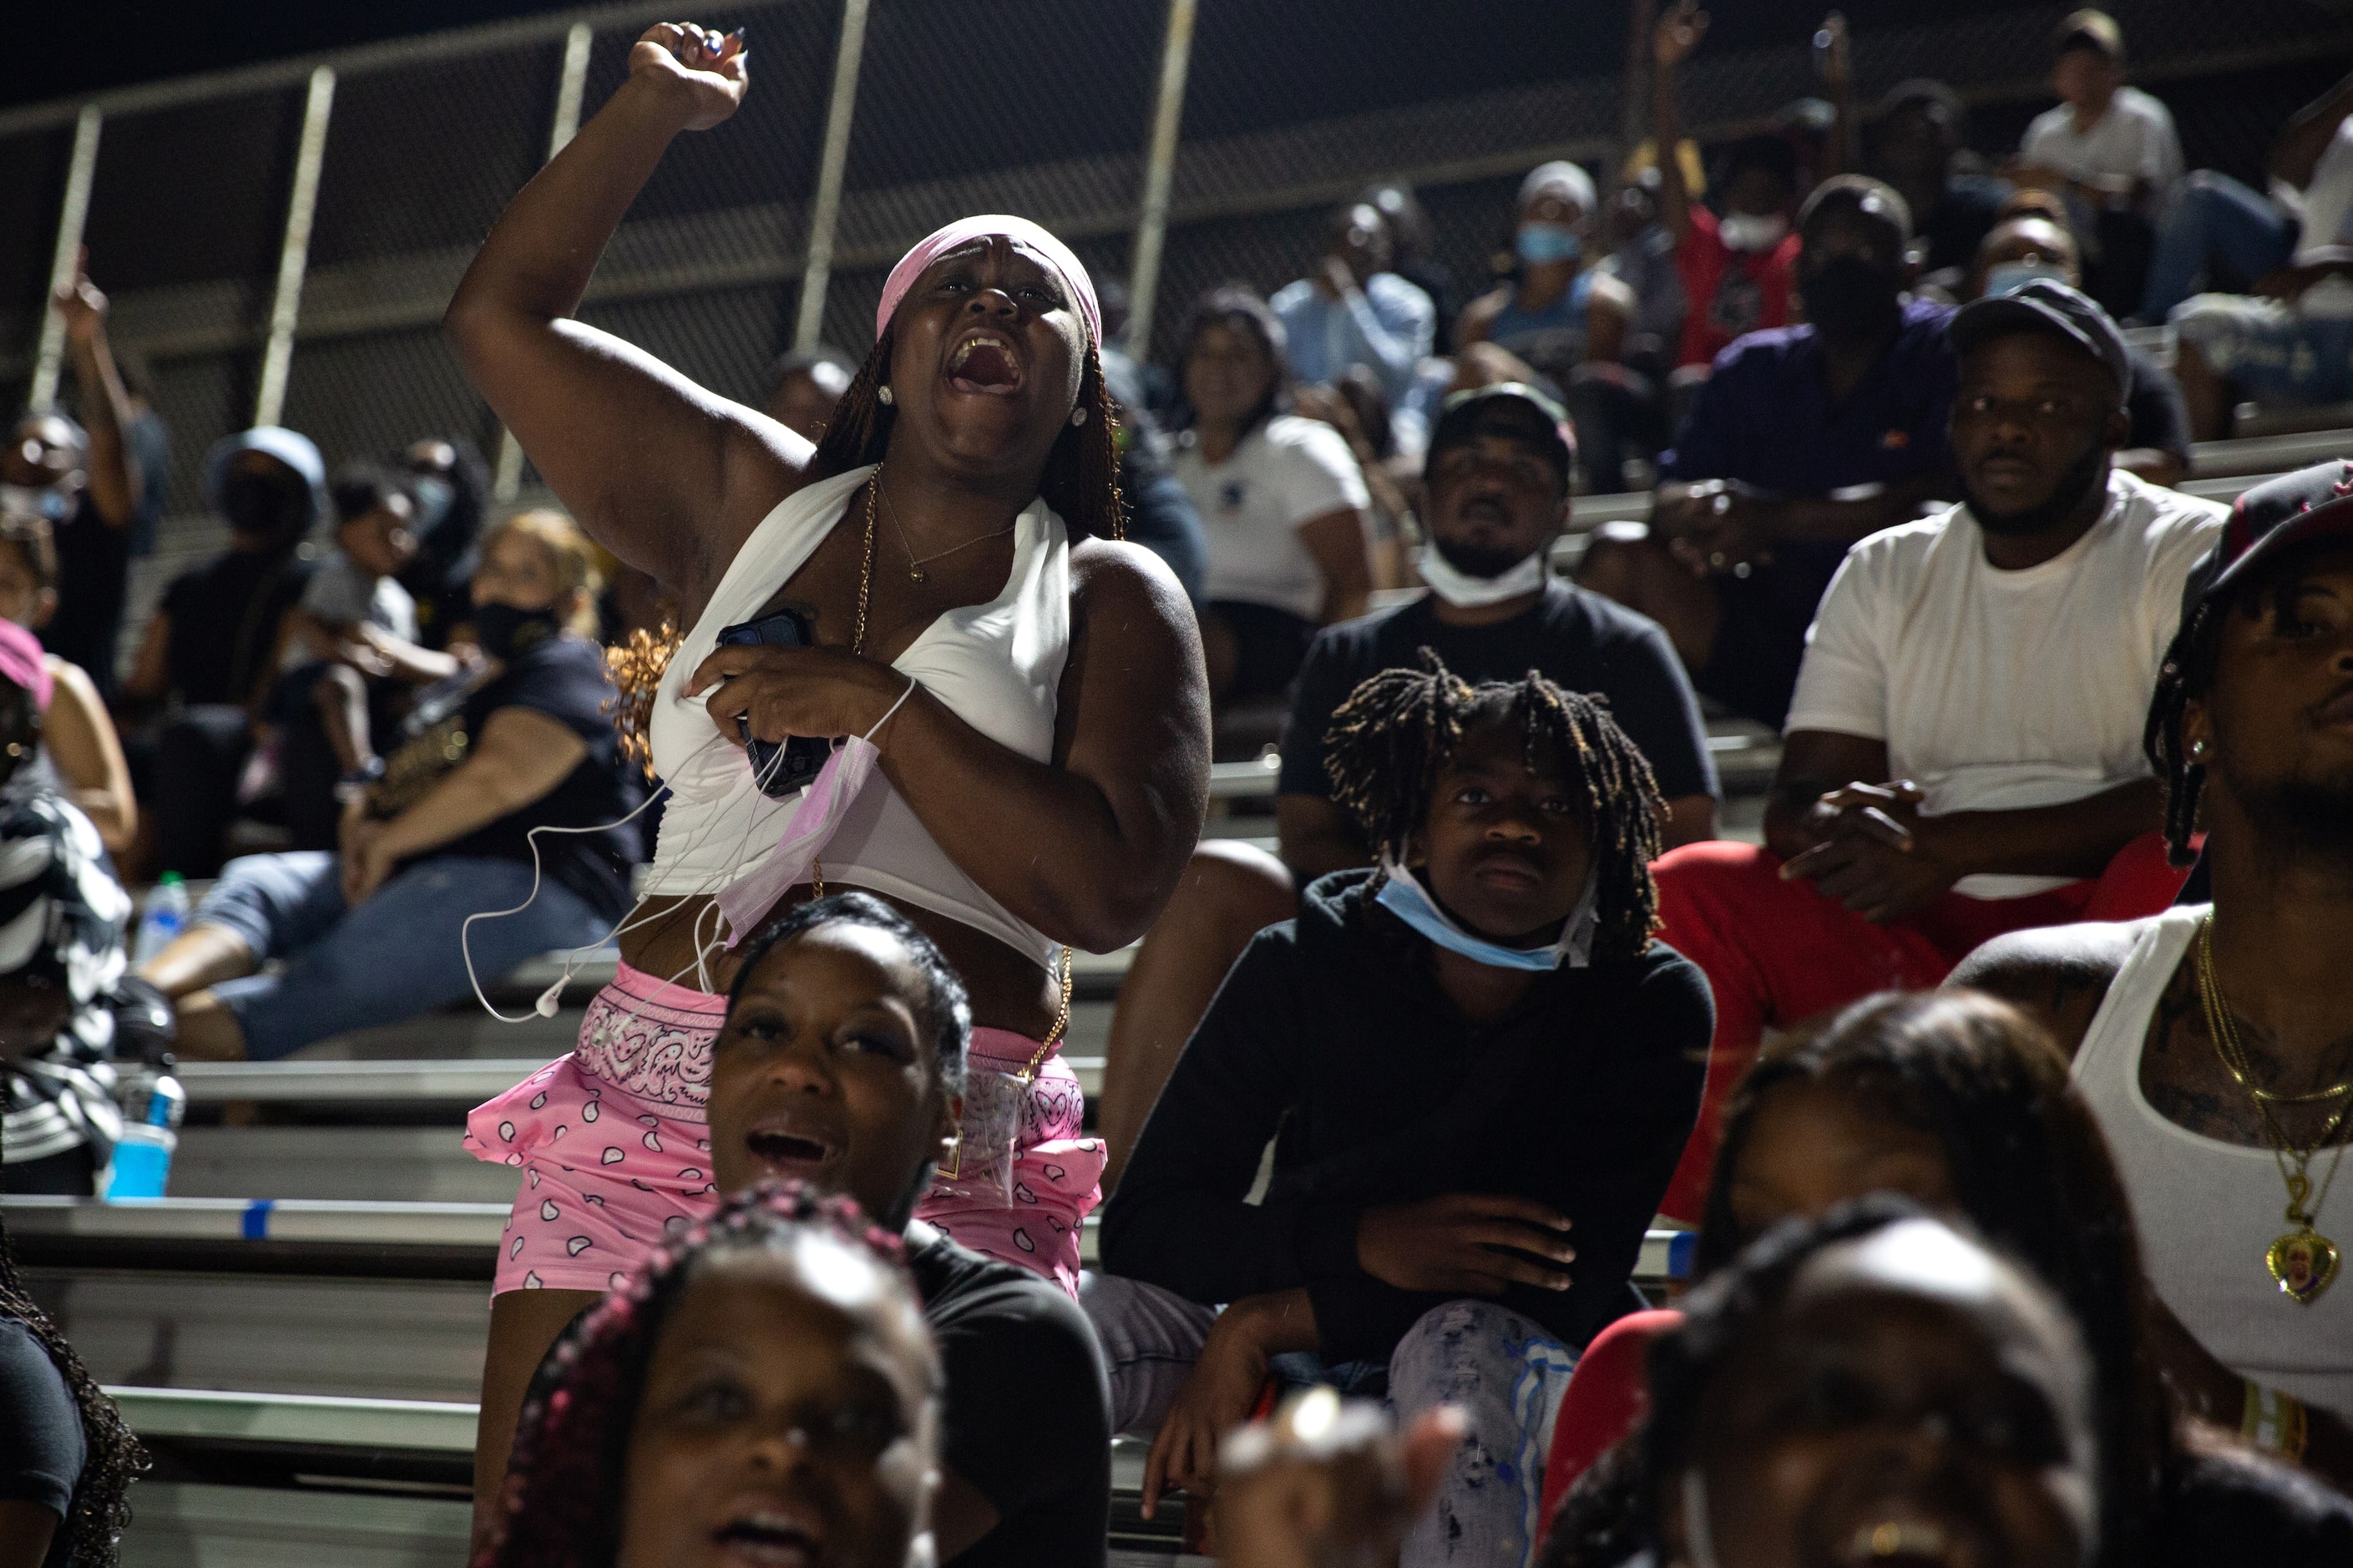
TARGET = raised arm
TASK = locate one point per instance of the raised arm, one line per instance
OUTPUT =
(668, 475)
(115, 483)
(1679, 33)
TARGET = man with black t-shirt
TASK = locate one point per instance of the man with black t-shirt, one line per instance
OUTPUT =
(1497, 476)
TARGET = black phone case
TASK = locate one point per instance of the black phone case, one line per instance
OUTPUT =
(803, 756)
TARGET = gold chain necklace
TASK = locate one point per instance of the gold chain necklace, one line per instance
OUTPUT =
(914, 566)
(2303, 1262)
(858, 637)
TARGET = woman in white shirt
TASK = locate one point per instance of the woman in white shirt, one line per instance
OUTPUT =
(1282, 501)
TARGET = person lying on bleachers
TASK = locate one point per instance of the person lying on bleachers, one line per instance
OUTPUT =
(762, 1390)
(1963, 756)
(62, 920)
(67, 1460)
(380, 931)
(1498, 497)
(1478, 1071)
(1802, 440)
(210, 649)
(1877, 1385)
(1282, 502)
(2221, 237)
(78, 741)
(2211, 1040)
(2021, 249)
(1961, 1104)
(840, 1064)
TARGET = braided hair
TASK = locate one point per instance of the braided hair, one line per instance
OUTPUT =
(2187, 676)
(561, 1504)
(1395, 734)
(1082, 478)
(111, 1458)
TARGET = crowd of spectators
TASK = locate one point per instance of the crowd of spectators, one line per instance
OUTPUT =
(1981, 1078)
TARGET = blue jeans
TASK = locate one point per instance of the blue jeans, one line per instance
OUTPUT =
(2219, 230)
(395, 957)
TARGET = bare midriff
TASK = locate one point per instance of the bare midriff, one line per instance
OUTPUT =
(1009, 990)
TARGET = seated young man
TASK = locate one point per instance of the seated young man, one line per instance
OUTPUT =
(2210, 1041)
(1963, 756)
(1478, 1071)
(1497, 476)
(1803, 441)
(839, 1064)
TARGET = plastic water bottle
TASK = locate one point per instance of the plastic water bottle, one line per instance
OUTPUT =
(165, 917)
(151, 1109)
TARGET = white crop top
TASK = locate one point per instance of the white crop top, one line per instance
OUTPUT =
(996, 666)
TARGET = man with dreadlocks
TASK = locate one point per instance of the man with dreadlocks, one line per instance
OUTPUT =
(1482, 1069)
(2214, 1042)
(1962, 756)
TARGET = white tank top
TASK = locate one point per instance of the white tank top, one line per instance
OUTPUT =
(996, 666)
(2207, 1209)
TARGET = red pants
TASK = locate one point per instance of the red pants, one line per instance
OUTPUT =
(1777, 954)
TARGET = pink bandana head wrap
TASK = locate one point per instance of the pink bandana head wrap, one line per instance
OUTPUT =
(22, 662)
(965, 230)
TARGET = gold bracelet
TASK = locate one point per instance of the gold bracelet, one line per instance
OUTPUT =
(2274, 1422)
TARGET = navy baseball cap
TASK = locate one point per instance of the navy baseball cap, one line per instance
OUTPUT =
(2045, 305)
(2308, 507)
(1512, 408)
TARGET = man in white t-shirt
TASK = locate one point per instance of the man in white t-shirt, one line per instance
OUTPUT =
(2110, 150)
(1963, 756)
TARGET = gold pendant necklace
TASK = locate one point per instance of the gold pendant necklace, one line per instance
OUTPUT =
(2302, 1262)
(915, 567)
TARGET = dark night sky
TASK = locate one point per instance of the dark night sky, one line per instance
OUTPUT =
(113, 45)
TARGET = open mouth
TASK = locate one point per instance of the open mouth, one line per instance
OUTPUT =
(767, 1538)
(984, 362)
(1898, 1542)
(786, 1151)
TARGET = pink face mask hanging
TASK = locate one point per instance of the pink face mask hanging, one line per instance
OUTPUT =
(824, 804)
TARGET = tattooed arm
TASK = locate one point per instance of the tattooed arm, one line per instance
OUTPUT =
(2058, 975)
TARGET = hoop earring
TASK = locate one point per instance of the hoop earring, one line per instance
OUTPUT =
(1079, 414)
(884, 394)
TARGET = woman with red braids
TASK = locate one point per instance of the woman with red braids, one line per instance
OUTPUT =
(937, 589)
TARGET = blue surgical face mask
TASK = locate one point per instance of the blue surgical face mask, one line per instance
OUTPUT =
(1403, 895)
(2009, 276)
(1542, 244)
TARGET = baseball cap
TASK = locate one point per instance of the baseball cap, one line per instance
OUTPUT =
(2306, 507)
(1507, 407)
(2045, 305)
(2092, 29)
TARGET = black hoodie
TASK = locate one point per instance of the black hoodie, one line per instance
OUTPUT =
(1333, 1027)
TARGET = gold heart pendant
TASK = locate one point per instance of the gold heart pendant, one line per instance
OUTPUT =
(2303, 1264)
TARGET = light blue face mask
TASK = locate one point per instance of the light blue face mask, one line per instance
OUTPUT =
(1403, 895)
(2009, 276)
(1542, 244)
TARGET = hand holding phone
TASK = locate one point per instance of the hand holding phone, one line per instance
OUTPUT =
(783, 770)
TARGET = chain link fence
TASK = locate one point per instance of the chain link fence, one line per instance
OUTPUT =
(1041, 107)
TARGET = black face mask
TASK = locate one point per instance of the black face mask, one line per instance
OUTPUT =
(1851, 302)
(502, 631)
(263, 507)
(2077, 482)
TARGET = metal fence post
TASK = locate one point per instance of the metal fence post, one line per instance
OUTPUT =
(71, 214)
(571, 89)
(294, 256)
(1159, 169)
(825, 210)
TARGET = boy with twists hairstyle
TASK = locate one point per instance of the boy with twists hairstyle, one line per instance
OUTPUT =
(1482, 1069)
